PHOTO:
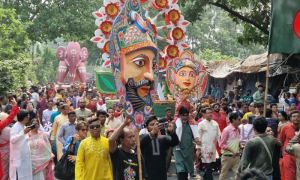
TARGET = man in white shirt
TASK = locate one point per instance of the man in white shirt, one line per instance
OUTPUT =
(111, 121)
(246, 130)
(209, 133)
(47, 115)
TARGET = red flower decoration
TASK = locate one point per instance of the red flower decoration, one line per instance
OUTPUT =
(172, 51)
(161, 3)
(105, 27)
(162, 63)
(112, 10)
(174, 15)
(177, 33)
(105, 49)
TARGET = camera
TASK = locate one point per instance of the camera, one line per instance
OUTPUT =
(32, 126)
(164, 125)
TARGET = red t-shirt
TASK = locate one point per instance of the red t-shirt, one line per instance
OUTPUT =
(221, 120)
(92, 106)
(286, 134)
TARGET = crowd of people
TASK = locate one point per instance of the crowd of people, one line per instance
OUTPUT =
(217, 134)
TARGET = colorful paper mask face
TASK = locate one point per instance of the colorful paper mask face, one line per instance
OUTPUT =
(134, 59)
(185, 72)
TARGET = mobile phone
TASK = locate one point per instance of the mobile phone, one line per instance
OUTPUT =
(164, 125)
(10, 98)
(32, 126)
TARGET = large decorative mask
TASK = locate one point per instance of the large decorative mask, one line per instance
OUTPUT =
(185, 72)
(134, 60)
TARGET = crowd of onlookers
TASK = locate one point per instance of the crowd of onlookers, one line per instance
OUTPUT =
(38, 127)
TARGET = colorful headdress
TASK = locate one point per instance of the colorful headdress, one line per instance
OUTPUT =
(123, 28)
(186, 59)
(175, 26)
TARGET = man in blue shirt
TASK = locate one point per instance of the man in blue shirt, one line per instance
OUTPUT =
(218, 92)
(248, 97)
(213, 91)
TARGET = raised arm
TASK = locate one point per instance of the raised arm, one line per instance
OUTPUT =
(11, 116)
(113, 138)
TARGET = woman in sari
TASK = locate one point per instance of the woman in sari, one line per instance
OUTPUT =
(41, 154)
(4, 140)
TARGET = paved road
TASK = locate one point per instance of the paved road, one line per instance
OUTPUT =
(174, 177)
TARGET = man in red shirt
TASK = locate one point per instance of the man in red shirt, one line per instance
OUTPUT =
(221, 120)
(91, 105)
(287, 133)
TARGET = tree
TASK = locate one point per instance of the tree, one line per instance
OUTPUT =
(70, 19)
(13, 52)
(217, 32)
(45, 66)
(253, 15)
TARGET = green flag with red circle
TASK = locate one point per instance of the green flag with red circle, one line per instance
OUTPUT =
(284, 36)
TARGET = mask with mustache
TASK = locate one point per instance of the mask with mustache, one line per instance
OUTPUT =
(138, 102)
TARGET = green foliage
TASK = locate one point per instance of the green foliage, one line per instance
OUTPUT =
(209, 55)
(252, 14)
(218, 33)
(13, 52)
(45, 66)
(70, 19)
(13, 39)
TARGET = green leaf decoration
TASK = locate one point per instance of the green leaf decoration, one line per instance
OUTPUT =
(105, 82)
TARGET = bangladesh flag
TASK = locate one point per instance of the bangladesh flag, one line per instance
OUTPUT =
(284, 34)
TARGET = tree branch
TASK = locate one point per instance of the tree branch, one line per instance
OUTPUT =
(241, 17)
(37, 10)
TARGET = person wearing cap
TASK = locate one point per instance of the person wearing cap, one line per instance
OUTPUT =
(259, 95)
(248, 97)
(241, 94)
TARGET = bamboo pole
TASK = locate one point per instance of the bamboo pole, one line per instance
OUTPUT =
(267, 85)
(138, 149)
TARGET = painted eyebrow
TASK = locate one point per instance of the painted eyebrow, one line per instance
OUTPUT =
(141, 55)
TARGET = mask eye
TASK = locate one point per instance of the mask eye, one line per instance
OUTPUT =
(153, 64)
(139, 61)
(192, 74)
(182, 73)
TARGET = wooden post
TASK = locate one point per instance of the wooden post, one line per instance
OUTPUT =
(267, 85)
(138, 149)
